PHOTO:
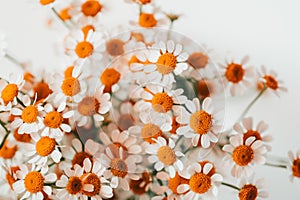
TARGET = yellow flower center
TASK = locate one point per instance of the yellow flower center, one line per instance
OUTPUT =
(8, 152)
(88, 106)
(70, 86)
(53, 119)
(243, 155)
(45, 146)
(46, 2)
(115, 47)
(64, 14)
(91, 8)
(252, 133)
(118, 167)
(79, 158)
(30, 114)
(74, 185)
(26, 138)
(93, 179)
(42, 90)
(86, 30)
(201, 122)
(175, 126)
(176, 181)
(147, 20)
(9, 93)
(200, 183)
(166, 155)
(162, 102)
(296, 167)
(271, 82)
(166, 63)
(198, 60)
(204, 89)
(151, 131)
(109, 77)
(34, 182)
(139, 187)
(84, 49)
(234, 73)
(248, 192)
(68, 72)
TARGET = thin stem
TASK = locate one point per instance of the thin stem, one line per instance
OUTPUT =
(141, 8)
(274, 165)
(170, 29)
(21, 103)
(62, 21)
(4, 139)
(13, 59)
(231, 186)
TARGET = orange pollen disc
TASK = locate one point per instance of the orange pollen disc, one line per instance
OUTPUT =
(166, 155)
(243, 155)
(234, 73)
(84, 49)
(53, 119)
(64, 14)
(176, 181)
(201, 122)
(30, 114)
(86, 30)
(74, 185)
(162, 102)
(144, 1)
(166, 63)
(45, 146)
(147, 20)
(248, 192)
(91, 8)
(46, 2)
(204, 89)
(175, 126)
(115, 47)
(114, 148)
(88, 106)
(93, 179)
(42, 90)
(139, 187)
(139, 37)
(252, 133)
(68, 72)
(8, 152)
(125, 121)
(200, 183)
(271, 82)
(296, 167)
(70, 86)
(151, 131)
(198, 60)
(28, 77)
(79, 158)
(26, 138)
(34, 182)
(109, 77)
(9, 93)
(118, 167)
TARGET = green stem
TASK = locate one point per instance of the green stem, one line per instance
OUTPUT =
(274, 165)
(62, 21)
(231, 186)
(21, 103)
(13, 59)
(170, 29)
(5, 137)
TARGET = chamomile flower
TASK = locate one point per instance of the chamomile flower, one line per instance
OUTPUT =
(8, 172)
(201, 125)
(124, 116)
(164, 156)
(150, 18)
(110, 78)
(117, 45)
(141, 186)
(27, 119)
(86, 8)
(203, 181)
(243, 155)
(294, 166)
(252, 189)
(237, 76)
(32, 184)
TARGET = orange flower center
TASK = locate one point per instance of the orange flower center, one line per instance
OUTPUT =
(201, 122)
(42, 90)
(64, 14)
(200, 183)
(26, 138)
(68, 72)
(34, 182)
(28, 77)
(45, 146)
(46, 2)
(10, 178)
(79, 158)
(176, 181)
(91, 8)
(109, 77)
(147, 20)
(139, 37)
(166, 63)
(114, 148)
(166, 155)
(296, 167)
(162, 102)
(151, 131)
(8, 152)
(198, 60)
(84, 49)
(70, 86)
(125, 121)
(74, 185)
(30, 114)
(115, 47)
(234, 73)
(248, 192)
(139, 187)
(271, 82)
(9, 93)
(86, 30)
(252, 133)
(88, 106)
(53, 119)
(144, 1)
(118, 167)
(93, 179)
(175, 126)
(204, 89)
(243, 155)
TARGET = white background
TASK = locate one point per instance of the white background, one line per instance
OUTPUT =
(267, 30)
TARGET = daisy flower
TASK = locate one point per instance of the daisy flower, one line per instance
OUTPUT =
(73, 186)
(27, 119)
(201, 125)
(252, 189)
(237, 76)
(9, 177)
(294, 166)
(164, 156)
(243, 155)
(86, 8)
(121, 169)
(124, 116)
(3, 45)
(141, 186)
(32, 184)
(93, 174)
(42, 148)
(203, 181)
(271, 82)
(110, 78)
(246, 129)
